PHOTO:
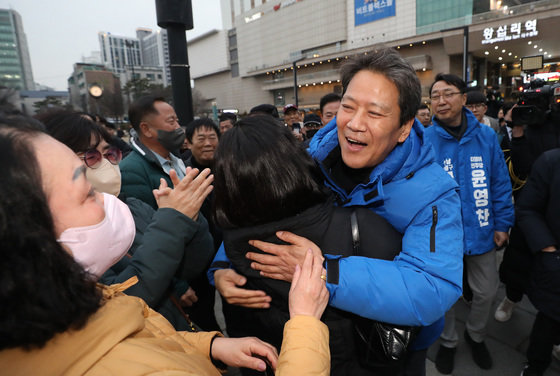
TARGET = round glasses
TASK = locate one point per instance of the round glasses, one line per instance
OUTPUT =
(92, 157)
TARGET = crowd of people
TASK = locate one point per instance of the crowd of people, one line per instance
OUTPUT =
(339, 241)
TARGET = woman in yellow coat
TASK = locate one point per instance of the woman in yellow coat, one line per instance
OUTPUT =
(54, 318)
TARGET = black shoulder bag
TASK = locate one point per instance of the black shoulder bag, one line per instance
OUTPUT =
(380, 346)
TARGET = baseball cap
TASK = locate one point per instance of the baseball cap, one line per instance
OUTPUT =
(290, 107)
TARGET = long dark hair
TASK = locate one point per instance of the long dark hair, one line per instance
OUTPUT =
(262, 174)
(43, 291)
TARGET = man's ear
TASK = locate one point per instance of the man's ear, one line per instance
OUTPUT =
(146, 131)
(189, 144)
(405, 130)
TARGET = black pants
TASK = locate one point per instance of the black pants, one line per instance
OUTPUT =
(544, 335)
(415, 364)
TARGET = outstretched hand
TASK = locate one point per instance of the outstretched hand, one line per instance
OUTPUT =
(240, 352)
(308, 294)
(188, 194)
(281, 260)
(227, 282)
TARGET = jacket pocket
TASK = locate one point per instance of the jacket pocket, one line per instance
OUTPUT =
(433, 229)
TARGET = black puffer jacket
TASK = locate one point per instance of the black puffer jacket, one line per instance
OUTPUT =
(538, 214)
(330, 228)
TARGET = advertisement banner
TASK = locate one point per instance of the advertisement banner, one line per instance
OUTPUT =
(372, 10)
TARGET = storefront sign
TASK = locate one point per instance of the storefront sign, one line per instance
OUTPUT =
(516, 30)
(372, 10)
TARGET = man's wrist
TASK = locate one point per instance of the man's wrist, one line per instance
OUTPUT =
(549, 249)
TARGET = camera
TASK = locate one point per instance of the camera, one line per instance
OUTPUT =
(534, 103)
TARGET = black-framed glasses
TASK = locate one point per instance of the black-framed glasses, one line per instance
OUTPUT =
(92, 157)
(475, 106)
(436, 98)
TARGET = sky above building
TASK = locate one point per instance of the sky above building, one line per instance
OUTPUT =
(60, 32)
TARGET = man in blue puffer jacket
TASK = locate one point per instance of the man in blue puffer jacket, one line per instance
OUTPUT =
(470, 153)
(374, 155)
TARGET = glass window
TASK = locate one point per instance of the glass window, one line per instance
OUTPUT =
(235, 70)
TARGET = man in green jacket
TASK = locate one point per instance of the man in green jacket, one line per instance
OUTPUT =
(158, 137)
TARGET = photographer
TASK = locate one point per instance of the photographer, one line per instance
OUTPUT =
(535, 124)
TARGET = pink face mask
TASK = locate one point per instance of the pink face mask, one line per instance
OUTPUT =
(100, 246)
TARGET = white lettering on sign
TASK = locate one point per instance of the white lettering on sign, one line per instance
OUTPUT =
(448, 167)
(517, 30)
(480, 193)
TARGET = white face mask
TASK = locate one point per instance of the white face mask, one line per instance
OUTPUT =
(100, 246)
(105, 178)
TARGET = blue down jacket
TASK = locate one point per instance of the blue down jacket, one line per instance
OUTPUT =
(477, 163)
(418, 198)
(413, 193)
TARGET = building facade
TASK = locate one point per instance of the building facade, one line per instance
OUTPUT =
(15, 64)
(270, 42)
(83, 77)
(118, 52)
(155, 51)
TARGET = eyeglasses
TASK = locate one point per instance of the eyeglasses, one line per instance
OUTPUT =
(93, 156)
(475, 106)
(436, 98)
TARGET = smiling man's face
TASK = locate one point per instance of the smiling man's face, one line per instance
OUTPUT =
(368, 120)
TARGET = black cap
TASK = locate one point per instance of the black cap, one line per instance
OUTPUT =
(312, 120)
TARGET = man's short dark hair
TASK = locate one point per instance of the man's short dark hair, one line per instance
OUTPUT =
(475, 97)
(390, 64)
(328, 98)
(204, 123)
(450, 79)
(140, 108)
(228, 116)
(423, 106)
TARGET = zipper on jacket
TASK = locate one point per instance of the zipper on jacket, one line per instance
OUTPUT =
(433, 229)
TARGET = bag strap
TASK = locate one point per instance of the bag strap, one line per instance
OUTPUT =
(355, 232)
(185, 315)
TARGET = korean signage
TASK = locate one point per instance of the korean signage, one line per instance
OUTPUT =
(504, 33)
(372, 10)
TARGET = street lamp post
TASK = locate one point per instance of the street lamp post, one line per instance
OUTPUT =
(176, 17)
(294, 68)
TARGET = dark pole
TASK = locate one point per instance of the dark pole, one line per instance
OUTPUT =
(465, 52)
(294, 66)
(176, 17)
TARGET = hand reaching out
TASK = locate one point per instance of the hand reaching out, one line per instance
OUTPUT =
(188, 298)
(188, 194)
(308, 294)
(227, 282)
(281, 260)
(240, 352)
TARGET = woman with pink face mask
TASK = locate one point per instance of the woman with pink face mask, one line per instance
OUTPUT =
(56, 320)
(172, 245)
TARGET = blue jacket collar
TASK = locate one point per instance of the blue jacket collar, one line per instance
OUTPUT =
(472, 126)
